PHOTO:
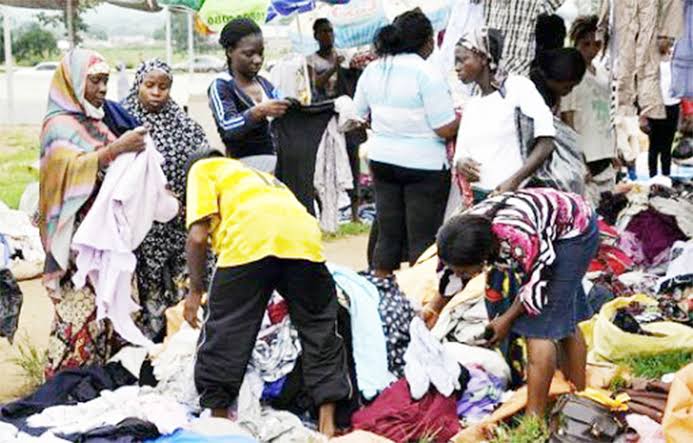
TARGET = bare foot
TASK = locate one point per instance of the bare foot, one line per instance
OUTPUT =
(326, 424)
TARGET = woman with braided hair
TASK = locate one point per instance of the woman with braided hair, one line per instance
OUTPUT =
(242, 101)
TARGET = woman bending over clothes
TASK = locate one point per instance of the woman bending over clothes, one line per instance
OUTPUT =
(548, 238)
(412, 114)
(161, 256)
(76, 148)
(242, 101)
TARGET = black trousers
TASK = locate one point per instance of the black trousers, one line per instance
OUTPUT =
(410, 205)
(238, 299)
(661, 137)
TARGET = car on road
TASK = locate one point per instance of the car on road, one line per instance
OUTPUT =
(202, 63)
(47, 66)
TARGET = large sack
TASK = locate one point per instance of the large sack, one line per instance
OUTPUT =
(607, 342)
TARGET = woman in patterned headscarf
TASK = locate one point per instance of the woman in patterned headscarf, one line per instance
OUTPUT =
(76, 148)
(161, 257)
(487, 130)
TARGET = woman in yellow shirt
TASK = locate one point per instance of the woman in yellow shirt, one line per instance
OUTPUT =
(265, 240)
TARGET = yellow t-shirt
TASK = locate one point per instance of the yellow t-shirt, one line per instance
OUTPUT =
(252, 214)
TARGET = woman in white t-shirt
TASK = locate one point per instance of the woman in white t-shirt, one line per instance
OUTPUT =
(488, 151)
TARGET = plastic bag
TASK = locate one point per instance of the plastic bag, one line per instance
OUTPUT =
(564, 169)
(607, 342)
(678, 417)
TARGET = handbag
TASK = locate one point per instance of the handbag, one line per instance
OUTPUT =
(564, 169)
(576, 419)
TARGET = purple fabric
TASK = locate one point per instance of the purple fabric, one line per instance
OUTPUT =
(274, 389)
(655, 231)
(482, 395)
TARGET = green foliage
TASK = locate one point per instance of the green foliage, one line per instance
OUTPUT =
(347, 230)
(33, 43)
(59, 19)
(656, 365)
(31, 361)
(525, 429)
(18, 152)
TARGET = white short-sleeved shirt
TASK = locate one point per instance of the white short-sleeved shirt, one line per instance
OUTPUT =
(407, 98)
(590, 100)
(488, 133)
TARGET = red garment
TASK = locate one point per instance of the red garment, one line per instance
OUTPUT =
(611, 259)
(396, 416)
(277, 310)
(687, 107)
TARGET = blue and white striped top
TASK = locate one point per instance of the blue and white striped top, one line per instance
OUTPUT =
(407, 98)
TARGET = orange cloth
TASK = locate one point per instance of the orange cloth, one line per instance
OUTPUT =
(678, 415)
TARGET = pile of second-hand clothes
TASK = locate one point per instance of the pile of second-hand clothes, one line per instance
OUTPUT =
(409, 382)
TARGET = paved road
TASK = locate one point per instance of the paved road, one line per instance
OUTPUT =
(31, 92)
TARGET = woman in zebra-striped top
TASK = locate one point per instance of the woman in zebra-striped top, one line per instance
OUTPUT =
(549, 238)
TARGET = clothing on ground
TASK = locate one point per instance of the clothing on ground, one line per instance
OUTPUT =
(69, 387)
(237, 302)
(483, 394)
(298, 135)
(396, 416)
(396, 314)
(428, 364)
(241, 134)
(132, 197)
(407, 99)
(370, 351)
(252, 215)
(656, 232)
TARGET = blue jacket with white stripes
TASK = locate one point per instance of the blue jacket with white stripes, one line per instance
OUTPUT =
(230, 106)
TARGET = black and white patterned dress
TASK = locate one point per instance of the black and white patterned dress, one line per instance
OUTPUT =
(161, 263)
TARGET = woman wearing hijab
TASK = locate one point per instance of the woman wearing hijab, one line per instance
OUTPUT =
(161, 256)
(76, 148)
(487, 131)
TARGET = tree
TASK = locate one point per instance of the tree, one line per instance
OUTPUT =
(60, 18)
(34, 42)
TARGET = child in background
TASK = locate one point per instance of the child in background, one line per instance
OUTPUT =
(586, 109)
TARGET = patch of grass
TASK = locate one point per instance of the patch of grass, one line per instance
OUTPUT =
(31, 361)
(347, 230)
(19, 150)
(656, 365)
(525, 429)
(619, 381)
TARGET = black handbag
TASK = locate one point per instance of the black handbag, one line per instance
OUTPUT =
(576, 420)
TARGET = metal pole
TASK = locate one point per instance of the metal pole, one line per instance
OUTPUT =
(9, 68)
(191, 45)
(169, 44)
(69, 24)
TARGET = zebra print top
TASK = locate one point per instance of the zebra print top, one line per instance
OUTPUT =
(527, 224)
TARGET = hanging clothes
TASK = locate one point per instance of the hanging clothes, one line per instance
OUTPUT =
(298, 135)
(517, 21)
(633, 27)
(682, 61)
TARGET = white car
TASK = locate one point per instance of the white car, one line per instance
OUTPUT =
(202, 63)
(47, 66)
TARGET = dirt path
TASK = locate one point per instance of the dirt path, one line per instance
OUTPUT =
(37, 314)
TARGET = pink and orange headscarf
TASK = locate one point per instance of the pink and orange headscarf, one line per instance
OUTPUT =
(72, 133)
